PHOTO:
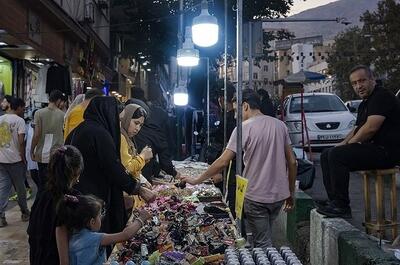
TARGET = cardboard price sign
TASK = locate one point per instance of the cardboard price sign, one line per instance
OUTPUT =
(241, 187)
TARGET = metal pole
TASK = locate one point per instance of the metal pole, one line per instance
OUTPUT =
(300, 20)
(208, 101)
(250, 55)
(179, 76)
(180, 36)
(225, 69)
(239, 72)
(225, 186)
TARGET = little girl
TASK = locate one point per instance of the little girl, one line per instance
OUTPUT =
(82, 216)
(48, 238)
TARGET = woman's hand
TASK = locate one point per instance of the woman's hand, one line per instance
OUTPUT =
(146, 194)
(147, 153)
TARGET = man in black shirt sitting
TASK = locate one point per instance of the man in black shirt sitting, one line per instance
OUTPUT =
(374, 143)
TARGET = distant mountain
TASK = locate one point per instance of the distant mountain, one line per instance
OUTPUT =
(349, 9)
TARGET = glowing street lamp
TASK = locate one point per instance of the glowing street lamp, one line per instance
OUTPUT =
(188, 55)
(205, 27)
(181, 97)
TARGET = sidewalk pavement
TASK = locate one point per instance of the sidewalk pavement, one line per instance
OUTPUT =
(14, 247)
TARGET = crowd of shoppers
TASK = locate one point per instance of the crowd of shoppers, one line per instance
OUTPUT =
(98, 159)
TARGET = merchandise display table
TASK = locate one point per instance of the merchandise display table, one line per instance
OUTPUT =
(189, 226)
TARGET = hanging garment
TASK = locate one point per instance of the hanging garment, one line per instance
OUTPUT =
(58, 77)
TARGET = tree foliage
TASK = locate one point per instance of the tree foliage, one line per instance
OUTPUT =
(151, 26)
(383, 26)
(376, 44)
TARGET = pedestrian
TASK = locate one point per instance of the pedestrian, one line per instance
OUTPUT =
(154, 134)
(12, 159)
(374, 143)
(267, 107)
(31, 165)
(217, 143)
(132, 119)
(48, 134)
(48, 237)
(98, 138)
(74, 115)
(270, 168)
(5, 104)
(83, 218)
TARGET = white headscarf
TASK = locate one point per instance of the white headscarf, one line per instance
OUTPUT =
(78, 100)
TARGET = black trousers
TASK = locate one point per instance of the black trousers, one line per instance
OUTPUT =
(42, 176)
(338, 162)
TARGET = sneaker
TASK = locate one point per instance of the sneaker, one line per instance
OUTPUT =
(3, 222)
(25, 216)
(13, 197)
(28, 193)
(333, 211)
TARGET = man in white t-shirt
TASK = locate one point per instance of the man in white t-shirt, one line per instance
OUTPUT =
(12, 159)
(270, 168)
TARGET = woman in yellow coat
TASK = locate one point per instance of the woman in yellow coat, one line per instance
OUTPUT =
(132, 119)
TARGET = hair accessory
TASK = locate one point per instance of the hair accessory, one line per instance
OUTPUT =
(71, 198)
(62, 149)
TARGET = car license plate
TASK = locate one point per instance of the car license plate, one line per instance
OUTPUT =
(330, 137)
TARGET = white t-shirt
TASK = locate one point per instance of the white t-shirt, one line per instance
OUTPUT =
(10, 126)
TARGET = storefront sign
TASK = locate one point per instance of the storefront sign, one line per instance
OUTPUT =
(241, 187)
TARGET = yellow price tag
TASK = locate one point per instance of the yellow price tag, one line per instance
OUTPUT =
(241, 187)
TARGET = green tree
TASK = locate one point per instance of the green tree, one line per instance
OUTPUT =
(351, 48)
(383, 26)
(377, 44)
(150, 27)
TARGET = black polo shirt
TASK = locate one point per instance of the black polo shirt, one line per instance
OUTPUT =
(382, 102)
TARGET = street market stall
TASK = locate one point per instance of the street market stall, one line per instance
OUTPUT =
(190, 225)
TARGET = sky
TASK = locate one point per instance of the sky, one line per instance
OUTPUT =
(301, 5)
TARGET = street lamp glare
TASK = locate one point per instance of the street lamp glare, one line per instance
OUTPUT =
(181, 99)
(205, 28)
(188, 56)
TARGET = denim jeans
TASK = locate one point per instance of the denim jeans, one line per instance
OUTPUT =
(258, 221)
(12, 174)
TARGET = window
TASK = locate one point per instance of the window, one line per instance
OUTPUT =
(317, 103)
(255, 75)
(266, 81)
(265, 68)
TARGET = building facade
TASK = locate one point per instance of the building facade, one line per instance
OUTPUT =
(69, 38)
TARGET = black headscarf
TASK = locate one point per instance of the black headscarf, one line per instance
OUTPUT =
(104, 111)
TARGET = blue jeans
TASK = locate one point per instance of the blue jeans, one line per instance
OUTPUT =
(12, 174)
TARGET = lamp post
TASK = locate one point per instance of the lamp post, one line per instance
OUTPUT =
(239, 73)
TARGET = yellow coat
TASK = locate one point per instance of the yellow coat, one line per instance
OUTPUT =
(74, 118)
(134, 165)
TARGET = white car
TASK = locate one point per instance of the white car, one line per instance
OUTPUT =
(328, 121)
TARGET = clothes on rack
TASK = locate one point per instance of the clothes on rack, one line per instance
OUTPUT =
(58, 77)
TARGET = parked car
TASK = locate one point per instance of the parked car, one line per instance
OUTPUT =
(353, 105)
(328, 120)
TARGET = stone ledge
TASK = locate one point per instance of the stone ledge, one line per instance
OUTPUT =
(356, 248)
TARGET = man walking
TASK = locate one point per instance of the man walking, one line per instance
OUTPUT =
(270, 168)
(12, 159)
(48, 134)
(374, 143)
